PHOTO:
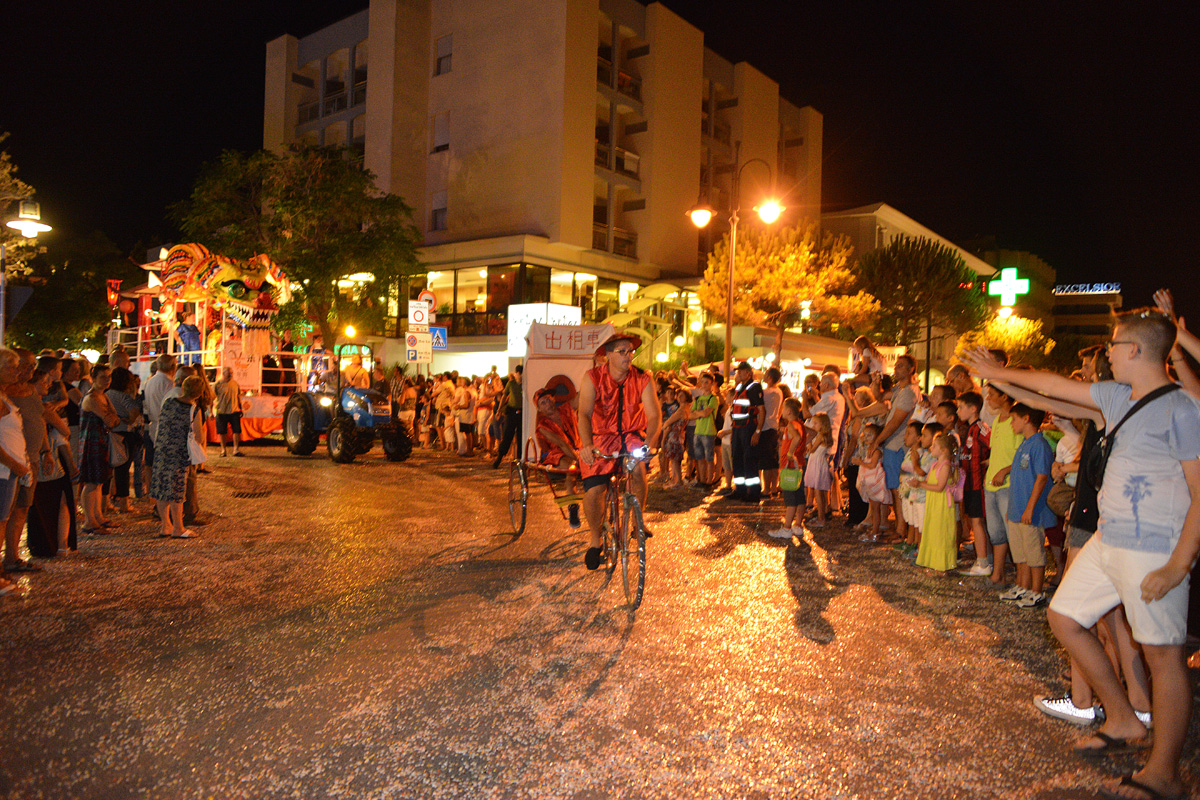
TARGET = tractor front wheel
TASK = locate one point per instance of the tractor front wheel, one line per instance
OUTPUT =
(340, 439)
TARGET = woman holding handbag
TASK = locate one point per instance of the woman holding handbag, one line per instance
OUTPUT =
(173, 459)
(791, 470)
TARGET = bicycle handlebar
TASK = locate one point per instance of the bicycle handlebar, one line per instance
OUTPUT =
(642, 453)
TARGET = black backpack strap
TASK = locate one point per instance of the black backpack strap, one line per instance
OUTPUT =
(1154, 395)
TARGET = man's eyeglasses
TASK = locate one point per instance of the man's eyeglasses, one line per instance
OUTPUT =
(1110, 345)
(623, 351)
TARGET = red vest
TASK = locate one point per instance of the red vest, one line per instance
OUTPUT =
(618, 409)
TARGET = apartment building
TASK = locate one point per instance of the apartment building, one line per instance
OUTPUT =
(550, 149)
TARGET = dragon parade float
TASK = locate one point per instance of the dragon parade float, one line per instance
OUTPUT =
(214, 311)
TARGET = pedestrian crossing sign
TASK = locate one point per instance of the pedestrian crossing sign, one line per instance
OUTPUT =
(439, 337)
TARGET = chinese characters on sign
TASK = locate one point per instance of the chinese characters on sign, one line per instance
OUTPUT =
(521, 315)
(555, 341)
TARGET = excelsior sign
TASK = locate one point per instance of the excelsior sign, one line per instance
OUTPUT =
(1088, 288)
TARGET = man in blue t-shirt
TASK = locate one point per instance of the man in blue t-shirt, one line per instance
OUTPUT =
(1144, 548)
(1028, 514)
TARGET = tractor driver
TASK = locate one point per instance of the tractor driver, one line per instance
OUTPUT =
(557, 435)
(618, 413)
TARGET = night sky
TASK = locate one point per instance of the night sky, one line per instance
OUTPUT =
(1068, 132)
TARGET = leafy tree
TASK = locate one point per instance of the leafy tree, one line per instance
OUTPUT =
(317, 213)
(69, 305)
(1021, 338)
(777, 270)
(920, 282)
(18, 249)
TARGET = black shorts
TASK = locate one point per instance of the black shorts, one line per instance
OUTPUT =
(466, 427)
(768, 447)
(973, 503)
(227, 421)
(592, 481)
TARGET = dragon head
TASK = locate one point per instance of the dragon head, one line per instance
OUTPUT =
(244, 289)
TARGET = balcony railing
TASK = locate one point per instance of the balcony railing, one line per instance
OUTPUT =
(624, 243)
(475, 323)
(624, 161)
(333, 103)
(721, 133)
(627, 84)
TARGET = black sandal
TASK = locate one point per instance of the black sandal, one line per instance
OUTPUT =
(1113, 746)
(593, 557)
(1131, 782)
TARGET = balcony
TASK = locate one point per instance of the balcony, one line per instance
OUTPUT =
(475, 323)
(333, 104)
(624, 242)
(719, 132)
(624, 161)
(627, 84)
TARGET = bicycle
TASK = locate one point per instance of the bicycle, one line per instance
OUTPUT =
(519, 487)
(619, 508)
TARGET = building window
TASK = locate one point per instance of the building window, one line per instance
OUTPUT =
(441, 132)
(441, 64)
(437, 214)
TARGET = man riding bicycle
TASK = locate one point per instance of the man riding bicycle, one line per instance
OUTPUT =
(618, 413)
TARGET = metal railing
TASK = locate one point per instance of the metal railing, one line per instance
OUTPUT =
(624, 161)
(627, 84)
(333, 103)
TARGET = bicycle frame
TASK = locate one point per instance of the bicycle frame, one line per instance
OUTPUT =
(623, 516)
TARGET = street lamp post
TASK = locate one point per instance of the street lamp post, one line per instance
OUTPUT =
(702, 213)
(29, 223)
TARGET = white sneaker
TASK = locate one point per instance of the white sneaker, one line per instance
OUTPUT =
(1065, 709)
(782, 533)
(1014, 593)
(1144, 718)
(979, 570)
(1031, 600)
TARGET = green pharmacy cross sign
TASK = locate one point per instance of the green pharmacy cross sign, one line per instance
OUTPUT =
(1009, 286)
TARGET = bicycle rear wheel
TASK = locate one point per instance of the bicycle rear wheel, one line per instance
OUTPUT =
(633, 575)
(518, 496)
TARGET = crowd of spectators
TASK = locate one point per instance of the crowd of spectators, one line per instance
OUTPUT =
(79, 444)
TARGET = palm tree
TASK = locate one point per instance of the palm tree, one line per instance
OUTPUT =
(1136, 489)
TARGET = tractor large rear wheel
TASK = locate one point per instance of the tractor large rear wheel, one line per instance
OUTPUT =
(397, 446)
(298, 431)
(341, 440)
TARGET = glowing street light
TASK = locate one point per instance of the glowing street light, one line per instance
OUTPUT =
(702, 213)
(1004, 312)
(28, 222)
(350, 331)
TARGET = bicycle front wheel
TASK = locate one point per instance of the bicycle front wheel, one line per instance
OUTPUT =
(613, 539)
(518, 496)
(633, 575)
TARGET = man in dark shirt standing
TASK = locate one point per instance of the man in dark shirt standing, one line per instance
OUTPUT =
(748, 417)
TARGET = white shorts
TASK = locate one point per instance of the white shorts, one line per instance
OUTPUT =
(481, 418)
(1103, 577)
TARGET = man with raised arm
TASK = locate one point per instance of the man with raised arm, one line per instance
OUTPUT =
(1142, 553)
(618, 413)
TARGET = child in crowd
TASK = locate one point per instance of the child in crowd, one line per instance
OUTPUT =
(667, 407)
(872, 483)
(704, 415)
(1066, 453)
(1004, 441)
(792, 450)
(975, 453)
(817, 474)
(909, 467)
(946, 415)
(939, 536)
(1028, 514)
(672, 435)
(726, 449)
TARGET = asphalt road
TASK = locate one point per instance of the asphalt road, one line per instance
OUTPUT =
(371, 630)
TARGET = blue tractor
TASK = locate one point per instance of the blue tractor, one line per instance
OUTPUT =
(351, 419)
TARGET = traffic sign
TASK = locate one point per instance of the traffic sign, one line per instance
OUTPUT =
(418, 315)
(418, 347)
(440, 339)
(427, 296)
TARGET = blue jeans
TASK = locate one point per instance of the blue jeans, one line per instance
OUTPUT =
(995, 505)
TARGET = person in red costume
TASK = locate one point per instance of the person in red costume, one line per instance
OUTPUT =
(557, 434)
(618, 413)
